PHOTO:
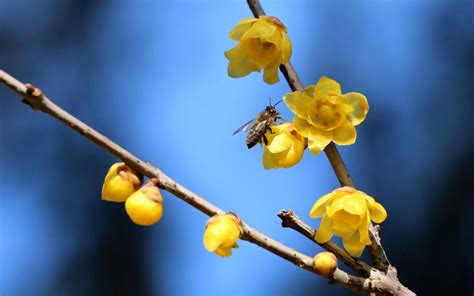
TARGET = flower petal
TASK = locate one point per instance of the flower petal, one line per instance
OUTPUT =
(355, 205)
(293, 155)
(239, 64)
(324, 232)
(298, 102)
(364, 230)
(270, 74)
(327, 87)
(318, 140)
(319, 207)
(301, 125)
(279, 143)
(260, 29)
(353, 245)
(378, 214)
(359, 106)
(345, 134)
(241, 28)
(285, 48)
(223, 251)
(269, 161)
(213, 238)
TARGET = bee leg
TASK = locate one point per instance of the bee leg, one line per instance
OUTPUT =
(265, 140)
(271, 131)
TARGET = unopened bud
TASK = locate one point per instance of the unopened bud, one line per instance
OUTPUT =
(325, 263)
(145, 206)
(120, 182)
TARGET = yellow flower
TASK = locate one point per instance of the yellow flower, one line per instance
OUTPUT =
(263, 44)
(145, 206)
(120, 182)
(323, 114)
(221, 234)
(325, 263)
(346, 212)
(285, 147)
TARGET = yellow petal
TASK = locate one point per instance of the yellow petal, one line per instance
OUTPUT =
(241, 28)
(355, 205)
(231, 231)
(359, 106)
(298, 102)
(319, 207)
(239, 64)
(378, 214)
(262, 54)
(223, 251)
(327, 87)
(212, 238)
(270, 74)
(260, 29)
(293, 155)
(269, 161)
(337, 204)
(318, 140)
(364, 230)
(345, 134)
(276, 40)
(344, 224)
(324, 232)
(285, 48)
(353, 245)
(301, 125)
(279, 142)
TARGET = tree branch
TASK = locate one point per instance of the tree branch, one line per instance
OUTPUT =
(379, 258)
(39, 102)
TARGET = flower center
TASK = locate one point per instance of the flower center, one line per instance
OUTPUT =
(261, 53)
(325, 115)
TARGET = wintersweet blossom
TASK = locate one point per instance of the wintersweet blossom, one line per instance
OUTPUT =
(346, 212)
(221, 234)
(263, 44)
(323, 114)
(285, 147)
(120, 182)
(145, 206)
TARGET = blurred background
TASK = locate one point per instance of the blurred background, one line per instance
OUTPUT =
(152, 76)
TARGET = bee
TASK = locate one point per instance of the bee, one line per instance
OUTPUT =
(258, 126)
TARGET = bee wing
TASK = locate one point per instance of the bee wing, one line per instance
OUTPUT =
(245, 127)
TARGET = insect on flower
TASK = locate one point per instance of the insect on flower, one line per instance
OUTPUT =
(258, 126)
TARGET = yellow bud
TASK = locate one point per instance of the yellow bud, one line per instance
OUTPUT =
(221, 234)
(145, 206)
(325, 263)
(120, 182)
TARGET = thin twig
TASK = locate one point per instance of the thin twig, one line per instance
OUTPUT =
(39, 102)
(379, 258)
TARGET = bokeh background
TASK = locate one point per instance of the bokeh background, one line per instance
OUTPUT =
(152, 76)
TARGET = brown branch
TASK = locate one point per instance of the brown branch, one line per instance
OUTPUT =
(379, 258)
(39, 102)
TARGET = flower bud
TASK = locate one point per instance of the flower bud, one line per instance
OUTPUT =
(145, 206)
(325, 263)
(221, 234)
(120, 182)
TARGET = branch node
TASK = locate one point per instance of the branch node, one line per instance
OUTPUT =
(34, 92)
